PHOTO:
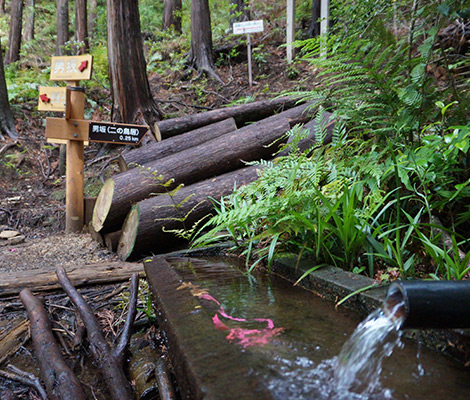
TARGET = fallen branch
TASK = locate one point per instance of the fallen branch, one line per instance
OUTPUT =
(112, 371)
(61, 382)
(15, 374)
(166, 390)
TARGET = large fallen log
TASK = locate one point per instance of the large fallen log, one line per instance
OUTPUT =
(61, 382)
(242, 114)
(165, 148)
(147, 228)
(212, 158)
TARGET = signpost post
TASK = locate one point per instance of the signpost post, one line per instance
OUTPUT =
(248, 27)
(74, 131)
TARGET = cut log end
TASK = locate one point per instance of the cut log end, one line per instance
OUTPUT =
(129, 233)
(103, 205)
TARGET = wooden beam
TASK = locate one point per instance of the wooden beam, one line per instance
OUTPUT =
(82, 275)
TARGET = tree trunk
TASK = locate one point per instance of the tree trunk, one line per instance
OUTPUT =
(14, 41)
(149, 225)
(92, 18)
(62, 27)
(7, 123)
(130, 89)
(165, 148)
(243, 114)
(28, 33)
(314, 27)
(61, 382)
(81, 28)
(172, 15)
(239, 11)
(2, 7)
(200, 56)
(213, 158)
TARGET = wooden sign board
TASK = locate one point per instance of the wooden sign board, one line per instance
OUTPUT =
(71, 68)
(52, 98)
(246, 27)
(107, 132)
(58, 129)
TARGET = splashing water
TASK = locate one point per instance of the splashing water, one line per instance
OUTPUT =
(359, 364)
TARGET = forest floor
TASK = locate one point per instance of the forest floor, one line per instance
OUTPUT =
(32, 189)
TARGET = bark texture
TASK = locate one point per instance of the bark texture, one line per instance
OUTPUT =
(215, 157)
(172, 15)
(7, 123)
(147, 229)
(242, 114)
(92, 8)
(61, 382)
(62, 27)
(81, 27)
(14, 38)
(200, 56)
(154, 151)
(130, 89)
(314, 27)
(28, 33)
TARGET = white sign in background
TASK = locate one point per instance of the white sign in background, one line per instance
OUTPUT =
(240, 28)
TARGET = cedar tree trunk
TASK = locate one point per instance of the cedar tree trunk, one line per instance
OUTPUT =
(16, 22)
(28, 33)
(92, 18)
(200, 56)
(130, 89)
(172, 15)
(81, 29)
(314, 28)
(239, 11)
(7, 123)
(62, 26)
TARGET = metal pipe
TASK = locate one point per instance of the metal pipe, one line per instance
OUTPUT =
(430, 304)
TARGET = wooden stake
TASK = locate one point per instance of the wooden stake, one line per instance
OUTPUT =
(74, 184)
(250, 74)
(290, 29)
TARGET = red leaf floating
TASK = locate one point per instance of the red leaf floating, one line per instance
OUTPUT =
(83, 66)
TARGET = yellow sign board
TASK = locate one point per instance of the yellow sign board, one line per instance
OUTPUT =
(71, 68)
(52, 98)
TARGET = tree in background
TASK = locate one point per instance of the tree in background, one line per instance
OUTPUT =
(81, 28)
(7, 123)
(62, 26)
(200, 56)
(239, 11)
(92, 18)
(314, 27)
(28, 33)
(14, 40)
(130, 89)
(172, 15)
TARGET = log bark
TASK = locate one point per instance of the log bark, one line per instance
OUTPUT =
(147, 228)
(242, 114)
(11, 341)
(224, 154)
(111, 240)
(155, 151)
(112, 372)
(81, 275)
(61, 382)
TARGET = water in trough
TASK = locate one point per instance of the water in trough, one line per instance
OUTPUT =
(305, 348)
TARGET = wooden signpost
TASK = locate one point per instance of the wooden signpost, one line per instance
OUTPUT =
(248, 27)
(74, 131)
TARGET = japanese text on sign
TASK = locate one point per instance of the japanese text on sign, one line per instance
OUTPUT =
(240, 28)
(71, 68)
(116, 133)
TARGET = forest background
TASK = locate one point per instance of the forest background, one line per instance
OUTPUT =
(387, 194)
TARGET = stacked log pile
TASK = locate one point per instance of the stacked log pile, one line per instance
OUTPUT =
(141, 202)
